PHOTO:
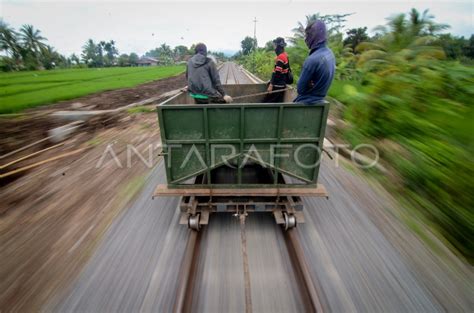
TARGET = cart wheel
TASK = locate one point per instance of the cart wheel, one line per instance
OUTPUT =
(290, 220)
(193, 222)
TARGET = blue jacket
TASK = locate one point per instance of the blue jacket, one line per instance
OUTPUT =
(317, 75)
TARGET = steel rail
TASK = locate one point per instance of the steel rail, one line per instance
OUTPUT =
(309, 292)
(184, 294)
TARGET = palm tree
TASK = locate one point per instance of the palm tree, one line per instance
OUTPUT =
(32, 43)
(355, 36)
(32, 39)
(9, 42)
(90, 53)
(334, 24)
(165, 50)
(403, 40)
(402, 30)
(299, 30)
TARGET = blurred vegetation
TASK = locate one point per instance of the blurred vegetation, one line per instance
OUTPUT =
(408, 90)
(141, 109)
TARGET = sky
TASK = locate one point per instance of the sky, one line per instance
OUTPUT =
(139, 26)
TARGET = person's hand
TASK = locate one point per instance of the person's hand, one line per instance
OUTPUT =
(228, 99)
(270, 88)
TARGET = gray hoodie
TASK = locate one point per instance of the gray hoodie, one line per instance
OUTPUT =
(203, 77)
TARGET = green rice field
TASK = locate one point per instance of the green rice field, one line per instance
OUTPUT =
(22, 90)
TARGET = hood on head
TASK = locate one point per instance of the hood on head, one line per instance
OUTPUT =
(201, 49)
(315, 34)
(198, 60)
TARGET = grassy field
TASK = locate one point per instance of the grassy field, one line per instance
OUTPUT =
(22, 90)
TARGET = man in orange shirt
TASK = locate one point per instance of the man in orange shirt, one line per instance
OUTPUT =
(280, 73)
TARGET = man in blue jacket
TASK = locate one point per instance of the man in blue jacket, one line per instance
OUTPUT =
(318, 68)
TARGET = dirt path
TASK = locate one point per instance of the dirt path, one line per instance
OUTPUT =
(52, 217)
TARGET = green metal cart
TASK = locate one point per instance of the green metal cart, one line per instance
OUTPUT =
(245, 156)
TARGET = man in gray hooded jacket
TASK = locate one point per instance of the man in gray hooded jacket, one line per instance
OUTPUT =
(204, 83)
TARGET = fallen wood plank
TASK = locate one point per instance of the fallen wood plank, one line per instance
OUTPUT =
(30, 155)
(22, 169)
(163, 190)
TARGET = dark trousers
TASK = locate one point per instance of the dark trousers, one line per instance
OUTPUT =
(209, 100)
(276, 97)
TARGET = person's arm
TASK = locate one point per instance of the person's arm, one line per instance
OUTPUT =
(216, 80)
(304, 81)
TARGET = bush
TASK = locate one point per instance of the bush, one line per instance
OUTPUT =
(260, 62)
(426, 106)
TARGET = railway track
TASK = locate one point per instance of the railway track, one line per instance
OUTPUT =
(136, 266)
(231, 74)
(308, 294)
(190, 264)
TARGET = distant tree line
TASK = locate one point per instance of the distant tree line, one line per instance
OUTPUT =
(167, 55)
(27, 49)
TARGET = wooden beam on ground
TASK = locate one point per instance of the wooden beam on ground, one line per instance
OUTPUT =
(30, 155)
(163, 190)
(22, 169)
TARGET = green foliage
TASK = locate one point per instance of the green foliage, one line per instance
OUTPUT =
(423, 103)
(297, 53)
(260, 63)
(100, 54)
(180, 52)
(269, 46)
(399, 88)
(133, 59)
(163, 53)
(141, 109)
(355, 36)
(51, 59)
(457, 48)
(123, 60)
(166, 55)
(23, 90)
(334, 24)
(248, 45)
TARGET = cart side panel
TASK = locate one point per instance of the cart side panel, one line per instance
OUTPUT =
(203, 137)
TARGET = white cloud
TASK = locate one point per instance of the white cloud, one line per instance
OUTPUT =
(141, 26)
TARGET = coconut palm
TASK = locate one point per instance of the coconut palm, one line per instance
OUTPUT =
(299, 30)
(404, 38)
(8, 40)
(334, 24)
(32, 45)
(90, 53)
(165, 50)
(402, 30)
(32, 39)
(50, 58)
